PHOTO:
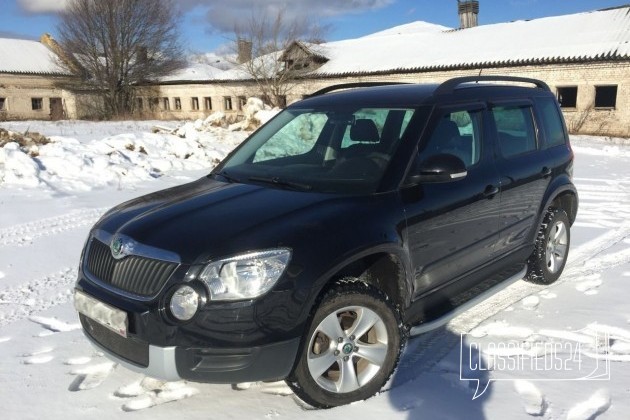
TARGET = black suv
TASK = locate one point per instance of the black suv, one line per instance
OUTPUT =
(349, 218)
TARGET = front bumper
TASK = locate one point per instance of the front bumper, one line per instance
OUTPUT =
(261, 363)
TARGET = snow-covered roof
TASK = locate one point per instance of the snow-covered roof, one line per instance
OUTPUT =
(28, 57)
(603, 34)
(417, 27)
(266, 64)
(196, 72)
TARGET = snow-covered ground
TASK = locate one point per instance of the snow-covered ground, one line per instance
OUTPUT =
(49, 370)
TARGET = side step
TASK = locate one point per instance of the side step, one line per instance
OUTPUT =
(444, 319)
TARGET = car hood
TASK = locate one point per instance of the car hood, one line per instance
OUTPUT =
(208, 219)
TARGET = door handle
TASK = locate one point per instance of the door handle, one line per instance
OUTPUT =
(491, 191)
(545, 172)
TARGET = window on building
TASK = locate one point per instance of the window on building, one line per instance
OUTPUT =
(166, 104)
(154, 103)
(37, 104)
(178, 104)
(207, 103)
(567, 96)
(605, 96)
(515, 129)
(242, 101)
(194, 104)
(3, 104)
(227, 103)
(139, 104)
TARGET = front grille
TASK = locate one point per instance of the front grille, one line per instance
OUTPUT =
(130, 349)
(138, 275)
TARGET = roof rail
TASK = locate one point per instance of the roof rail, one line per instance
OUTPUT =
(450, 85)
(352, 85)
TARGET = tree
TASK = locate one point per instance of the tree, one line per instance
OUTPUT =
(260, 43)
(113, 45)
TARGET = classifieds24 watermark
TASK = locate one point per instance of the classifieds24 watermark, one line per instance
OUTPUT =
(546, 356)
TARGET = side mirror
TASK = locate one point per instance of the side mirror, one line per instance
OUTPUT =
(439, 168)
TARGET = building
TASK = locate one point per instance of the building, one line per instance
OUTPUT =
(32, 84)
(583, 57)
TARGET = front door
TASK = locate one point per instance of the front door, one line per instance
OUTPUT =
(452, 227)
(56, 109)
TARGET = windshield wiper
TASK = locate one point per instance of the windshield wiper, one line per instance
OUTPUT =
(282, 183)
(225, 175)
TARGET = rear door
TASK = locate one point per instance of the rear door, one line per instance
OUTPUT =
(525, 171)
(452, 227)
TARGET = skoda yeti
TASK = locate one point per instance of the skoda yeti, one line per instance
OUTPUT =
(350, 218)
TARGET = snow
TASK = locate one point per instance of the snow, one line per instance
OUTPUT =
(569, 37)
(49, 370)
(194, 72)
(26, 56)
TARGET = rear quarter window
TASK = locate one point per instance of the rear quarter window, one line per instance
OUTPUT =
(516, 131)
(551, 122)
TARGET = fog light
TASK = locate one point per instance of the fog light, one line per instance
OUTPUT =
(184, 303)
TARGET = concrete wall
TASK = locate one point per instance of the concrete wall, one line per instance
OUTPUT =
(218, 95)
(19, 90)
(584, 118)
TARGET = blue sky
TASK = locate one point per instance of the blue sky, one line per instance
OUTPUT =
(207, 23)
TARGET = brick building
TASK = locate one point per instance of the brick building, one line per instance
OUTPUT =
(32, 85)
(584, 57)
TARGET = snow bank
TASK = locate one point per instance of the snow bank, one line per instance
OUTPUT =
(67, 164)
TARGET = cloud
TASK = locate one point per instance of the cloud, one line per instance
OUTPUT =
(42, 6)
(16, 35)
(222, 16)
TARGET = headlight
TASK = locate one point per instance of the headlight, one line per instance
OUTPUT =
(245, 276)
(184, 303)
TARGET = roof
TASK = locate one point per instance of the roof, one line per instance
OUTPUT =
(197, 72)
(416, 27)
(27, 57)
(597, 35)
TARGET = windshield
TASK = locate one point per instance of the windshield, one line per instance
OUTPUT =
(338, 151)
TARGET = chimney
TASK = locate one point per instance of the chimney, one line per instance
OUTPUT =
(468, 11)
(67, 59)
(244, 50)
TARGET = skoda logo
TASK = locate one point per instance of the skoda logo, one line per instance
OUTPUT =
(118, 248)
(347, 349)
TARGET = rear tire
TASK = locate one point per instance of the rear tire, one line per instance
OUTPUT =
(552, 248)
(351, 349)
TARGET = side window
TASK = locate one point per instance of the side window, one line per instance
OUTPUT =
(457, 133)
(296, 138)
(551, 122)
(516, 131)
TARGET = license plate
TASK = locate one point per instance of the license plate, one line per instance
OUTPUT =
(106, 315)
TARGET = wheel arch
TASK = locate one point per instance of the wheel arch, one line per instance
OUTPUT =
(562, 195)
(384, 268)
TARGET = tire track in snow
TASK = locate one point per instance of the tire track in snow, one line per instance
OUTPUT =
(24, 234)
(22, 301)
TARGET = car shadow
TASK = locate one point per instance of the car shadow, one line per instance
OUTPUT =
(437, 377)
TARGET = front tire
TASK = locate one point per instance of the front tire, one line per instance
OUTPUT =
(353, 344)
(552, 248)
